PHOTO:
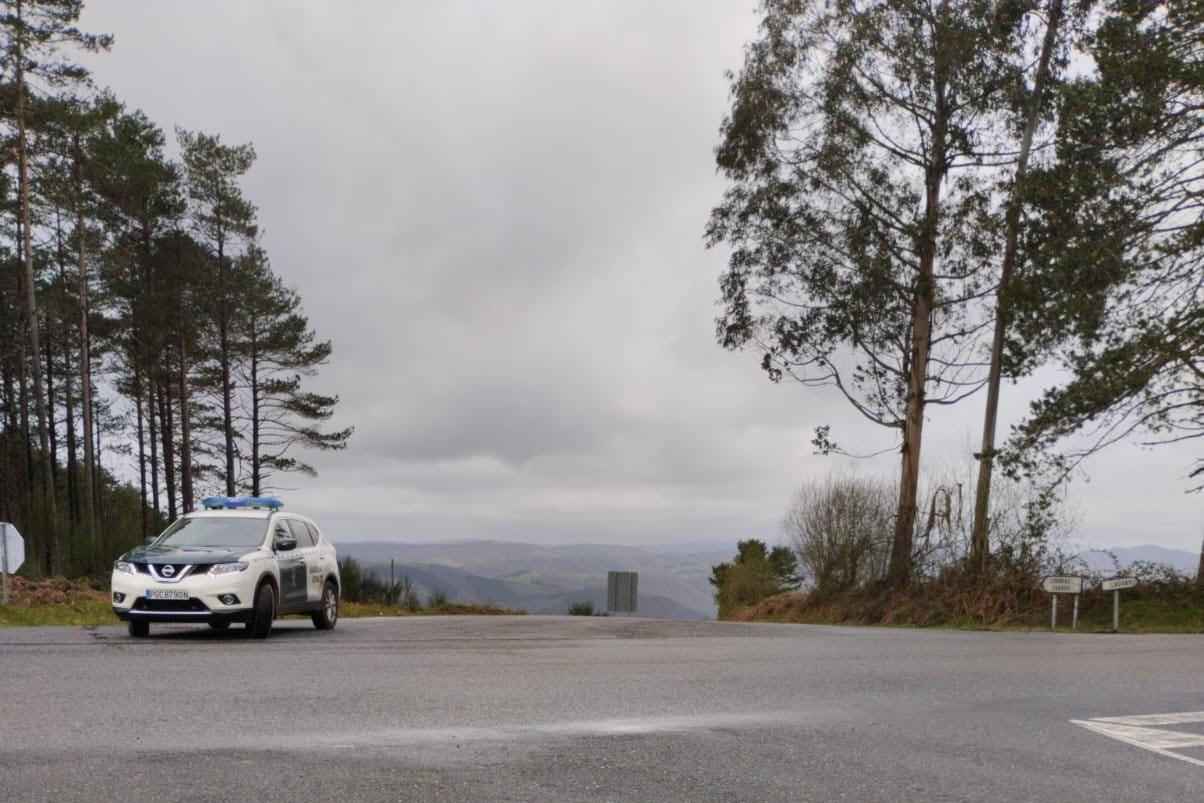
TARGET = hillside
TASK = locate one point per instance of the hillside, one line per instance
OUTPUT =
(1102, 561)
(547, 579)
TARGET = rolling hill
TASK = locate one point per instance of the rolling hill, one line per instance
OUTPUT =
(547, 579)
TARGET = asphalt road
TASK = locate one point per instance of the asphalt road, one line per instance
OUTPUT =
(594, 709)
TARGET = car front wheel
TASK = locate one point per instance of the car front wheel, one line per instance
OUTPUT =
(139, 628)
(326, 617)
(261, 616)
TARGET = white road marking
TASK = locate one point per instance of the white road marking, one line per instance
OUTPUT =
(1139, 732)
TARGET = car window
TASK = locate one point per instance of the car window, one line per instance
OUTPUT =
(223, 531)
(313, 531)
(281, 531)
(301, 533)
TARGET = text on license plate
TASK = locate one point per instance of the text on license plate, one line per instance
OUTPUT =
(165, 593)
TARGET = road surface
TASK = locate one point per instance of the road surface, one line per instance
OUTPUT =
(594, 709)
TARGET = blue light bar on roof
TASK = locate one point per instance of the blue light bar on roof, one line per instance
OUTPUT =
(232, 502)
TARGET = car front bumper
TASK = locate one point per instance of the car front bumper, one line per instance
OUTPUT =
(193, 599)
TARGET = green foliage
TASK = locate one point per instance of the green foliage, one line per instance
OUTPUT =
(1116, 242)
(585, 608)
(153, 332)
(436, 599)
(754, 574)
(862, 216)
(366, 587)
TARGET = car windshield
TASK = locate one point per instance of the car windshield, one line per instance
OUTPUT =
(224, 531)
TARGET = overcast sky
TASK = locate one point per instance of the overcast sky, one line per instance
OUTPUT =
(495, 212)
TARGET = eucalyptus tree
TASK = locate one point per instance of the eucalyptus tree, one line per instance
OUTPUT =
(1118, 230)
(34, 35)
(862, 149)
(1047, 21)
(278, 349)
(224, 221)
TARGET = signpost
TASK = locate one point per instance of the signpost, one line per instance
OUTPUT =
(12, 553)
(1063, 585)
(1114, 585)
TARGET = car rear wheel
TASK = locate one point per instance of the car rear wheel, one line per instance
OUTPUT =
(326, 617)
(261, 617)
(139, 628)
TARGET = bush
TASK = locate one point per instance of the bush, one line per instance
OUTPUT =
(754, 574)
(436, 599)
(841, 529)
(581, 609)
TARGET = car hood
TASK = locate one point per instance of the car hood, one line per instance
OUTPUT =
(186, 554)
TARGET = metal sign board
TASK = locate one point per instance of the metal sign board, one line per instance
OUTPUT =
(13, 548)
(1117, 583)
(622, 592)
(1063, 585)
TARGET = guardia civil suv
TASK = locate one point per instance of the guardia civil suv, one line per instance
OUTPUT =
(241, 559)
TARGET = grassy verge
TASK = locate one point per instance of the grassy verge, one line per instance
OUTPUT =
(1153, 609)
(42, 603)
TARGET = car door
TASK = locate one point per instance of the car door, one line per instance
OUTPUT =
(291, 563)
(308, 551)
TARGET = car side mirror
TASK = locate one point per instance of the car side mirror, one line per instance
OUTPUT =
(285, 543)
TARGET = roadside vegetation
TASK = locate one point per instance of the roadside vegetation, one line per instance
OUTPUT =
(928, 202)
(834, 569)
(58, 601)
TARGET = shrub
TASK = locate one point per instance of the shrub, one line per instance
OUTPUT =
(581, 609)
(841, 530)
(754, 574)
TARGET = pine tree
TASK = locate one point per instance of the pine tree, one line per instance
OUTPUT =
(33, 34)
(278, 350)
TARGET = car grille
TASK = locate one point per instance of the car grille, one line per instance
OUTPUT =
(177, 573)
(188, 605)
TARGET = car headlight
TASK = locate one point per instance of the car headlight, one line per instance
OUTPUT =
(227, 568)
(125, 567)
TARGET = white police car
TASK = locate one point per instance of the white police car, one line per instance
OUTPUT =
(238, 560)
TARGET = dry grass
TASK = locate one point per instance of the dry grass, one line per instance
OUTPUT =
(56, 601)
(1154, 608)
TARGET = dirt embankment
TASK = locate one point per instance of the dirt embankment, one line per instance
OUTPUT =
(52, 591)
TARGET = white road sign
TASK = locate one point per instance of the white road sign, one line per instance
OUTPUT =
(13, 548)
(1117, 583)
(1063, 585)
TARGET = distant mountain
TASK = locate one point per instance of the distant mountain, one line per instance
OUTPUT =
(547, 579)
(1100, 560)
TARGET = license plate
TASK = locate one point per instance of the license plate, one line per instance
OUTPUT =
(162, 593)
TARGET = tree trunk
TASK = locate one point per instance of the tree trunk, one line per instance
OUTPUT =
(167, 433)
(31, 309)
(185, 424)
(980, 545)
(256, 461)
(900, 569)
(223, 324)
(156, 482)
(74, 502)
(1200, 571)
(85, 354)
(143, 497)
